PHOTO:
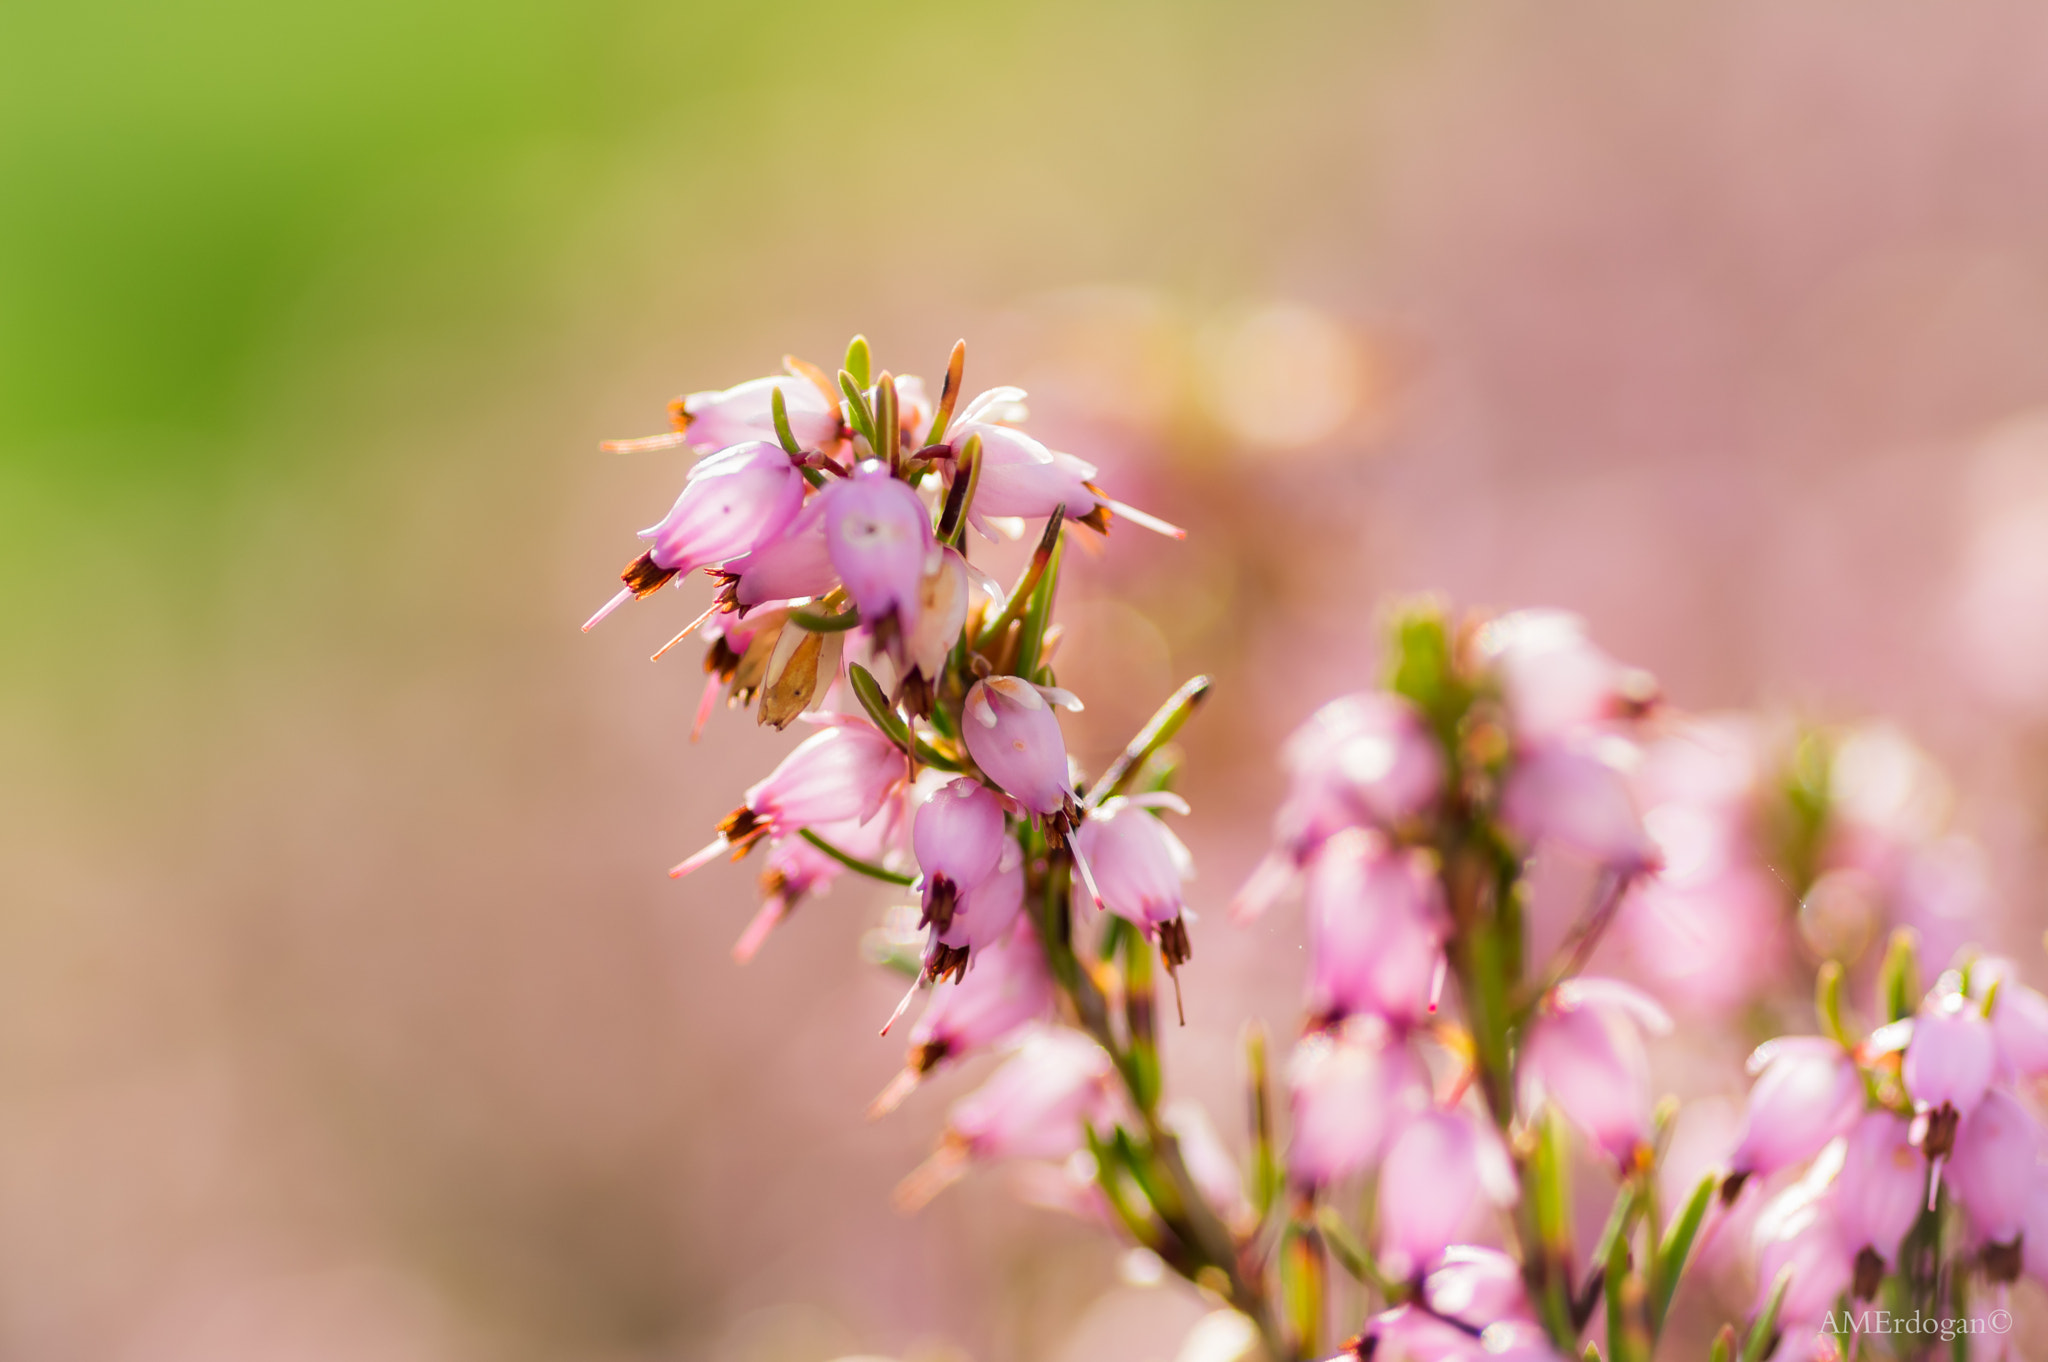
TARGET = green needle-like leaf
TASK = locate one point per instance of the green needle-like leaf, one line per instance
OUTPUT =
(783, 433)
(858, 361)
(1676, 1251)
(1157, 732)
(858, 411)
(852, 862)
(1763, 1335)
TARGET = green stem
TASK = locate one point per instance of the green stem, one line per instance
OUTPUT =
(852, 862)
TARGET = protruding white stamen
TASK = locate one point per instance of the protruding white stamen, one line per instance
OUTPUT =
(625, 594)
(1150, 522)
(640, 445)
(699, 859)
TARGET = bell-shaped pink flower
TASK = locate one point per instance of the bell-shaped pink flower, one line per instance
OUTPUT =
(1554, 679)
(844, 773)
(986, 912)
(1584, 1054)
(1477, 1287)
(715, 420)
(1349, 1088)
(1575, 794)
(789, 565)
(796, 870)
(1376, 923)
(1431, 1183)
(1997, 1151)
(1021, 477)
(959, 835)
(1798, 1231)
(1408, 1333)
(2019, 1019)
(1035, 1105)
(1807, 1092)
(1370, 752)
(2033, 1199)
(1881, 1188)
(1008, 988)
(1013, 737)
(1139, 864)
(1948, 1065)
(879, 536)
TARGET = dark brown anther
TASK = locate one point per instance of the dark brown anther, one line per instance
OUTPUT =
(940, 903)
(1360, 1346)
(1096, 520)
(720, 660)
(1940, 1140)
(1175, 951)
(741, 829)
(913, 694)
(2002, 1262)
(1731, 1186)
(1870, 1272)
(678, 415)
(928, 1056)
(643, 578)
(946, 962)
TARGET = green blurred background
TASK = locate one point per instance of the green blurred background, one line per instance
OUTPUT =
(344, 1011)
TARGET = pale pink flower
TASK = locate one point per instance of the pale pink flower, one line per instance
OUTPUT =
(1139, 864)
(1408, 1333)
(959, 835)
(1433, 1181)
(1021, 477)
(1807, 1092)
(1575, 793)
(1477, 1286)
(715, 420)
(792, 564)
(1948, 1064)
(1997, 1151)
(2019, 1020)
(1881, 1189)
(1584, 1054)
(1554, 679)
(1007, 989)
(879, 536)
(844, 773)
(796, 870)
(2033, 1199)
(985, 913)
(1348, 1090)
(1798, 1231)
(1376, 923)
(1013, 737)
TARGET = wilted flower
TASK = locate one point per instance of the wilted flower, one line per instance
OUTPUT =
(1585, 1056)
(1376, 922)
(844, 773)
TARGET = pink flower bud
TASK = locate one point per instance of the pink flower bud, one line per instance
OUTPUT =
(1584, 1054)
(845, 773)
(732, 502)
(746, 412)
(1431, 1183)
(1950, 1058)
(879, 536)
(1348, 1090)
(1576, 794)
(1807, 1092)
(1013, 737)
(1998, 1146)
(1882, 1186)
(1139, 864)
(1377, 924)
(1554, 679)
(959, 835)
(1035, 1105)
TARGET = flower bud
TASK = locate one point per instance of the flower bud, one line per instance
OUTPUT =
(1997, 1149)
(1139, 864)
(1807, 1092)
(1013, 737)
(1948, 1066)
(714, 420)
(1348, 1090)
(1377, 923)
(959, 836)
(1585, 1056)
(879, 536)
(1879, 1193)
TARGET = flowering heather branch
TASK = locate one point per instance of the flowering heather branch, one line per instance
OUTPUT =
(1449, 1079)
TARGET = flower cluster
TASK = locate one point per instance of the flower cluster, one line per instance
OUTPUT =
(1450, 1075)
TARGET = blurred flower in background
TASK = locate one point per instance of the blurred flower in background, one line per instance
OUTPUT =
(343, 1015)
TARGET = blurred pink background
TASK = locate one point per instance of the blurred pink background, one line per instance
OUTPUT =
(347, 1010)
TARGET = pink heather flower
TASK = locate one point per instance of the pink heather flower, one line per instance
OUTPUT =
(1585, 1055)
(1348, 1089)
(959, 835)
(2033, 1198)
(1364, 759)
(1998, 1147)
(1408, 1333)
(985, 913)
(1013, 737)
(1008, 989)
(1210, 1164)
(1021, 477)
(1377, 923)
(1477, 1286)
(2019, 1020)
(1948, 1062)
(1554, 679)
(730, 504)
(1882, 1186)
(847, 772)
(1431, 1183)
(790, 565)
(1139, 864)
(879, 536)
(1798, 1231)
(1576, 794)
(1035, 1105)
(1807, 1092)
(714, 420)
